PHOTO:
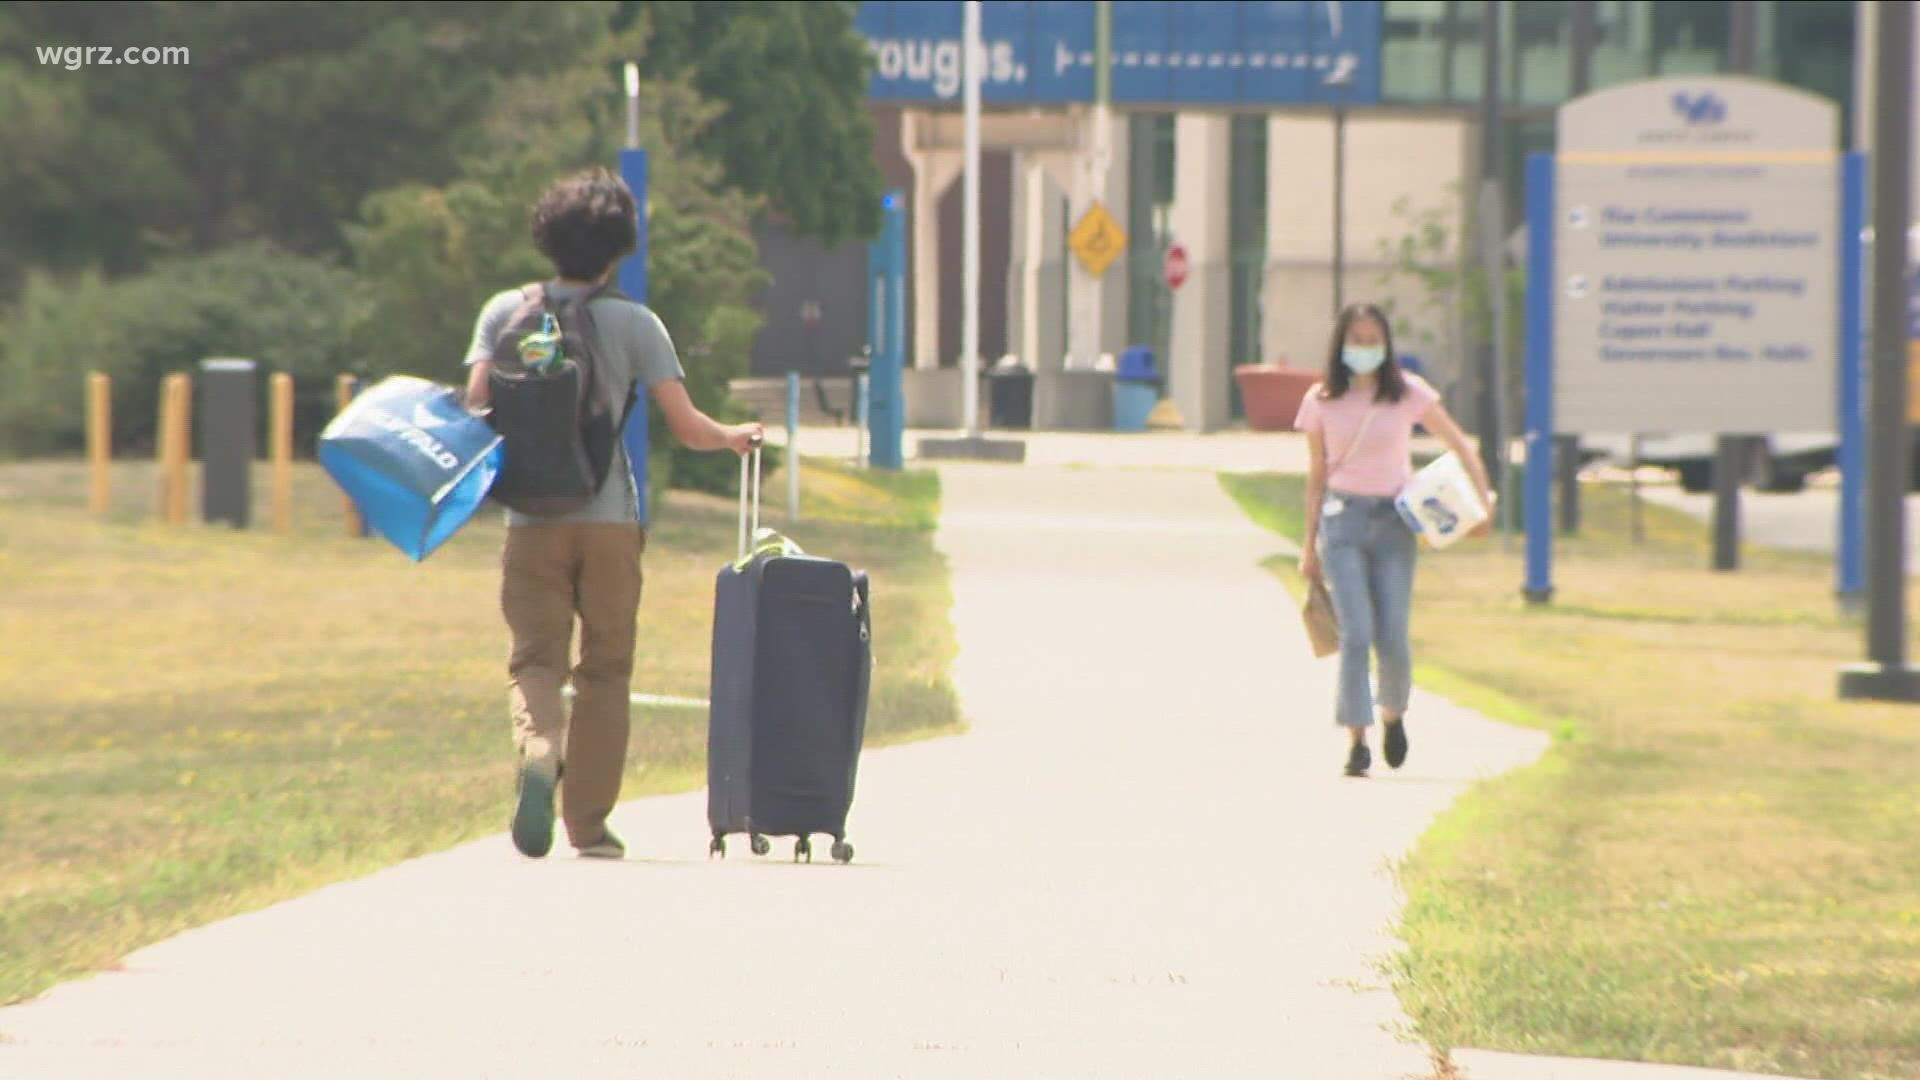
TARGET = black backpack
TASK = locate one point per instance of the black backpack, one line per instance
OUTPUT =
(558, 421)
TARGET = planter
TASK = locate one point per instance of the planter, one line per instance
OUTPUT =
(1272, 394)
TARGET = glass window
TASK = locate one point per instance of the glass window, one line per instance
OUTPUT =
(1623, 42)
(1543, 37)
(1150, 162)
(1821, 55)
(1414, 51)
(1690, 36)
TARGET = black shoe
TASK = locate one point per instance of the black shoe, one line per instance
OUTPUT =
(533, 811)
(1359, 760)
(1396, 742)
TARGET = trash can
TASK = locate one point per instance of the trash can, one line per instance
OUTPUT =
(1136, 389)
(1010, 397)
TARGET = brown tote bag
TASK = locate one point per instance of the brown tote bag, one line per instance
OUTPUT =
(1323, 626)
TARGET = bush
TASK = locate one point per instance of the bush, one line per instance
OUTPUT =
(286, 312)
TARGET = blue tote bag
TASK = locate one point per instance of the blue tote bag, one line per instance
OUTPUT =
(415, 462)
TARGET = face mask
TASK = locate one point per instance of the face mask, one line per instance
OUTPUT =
(1363, 359)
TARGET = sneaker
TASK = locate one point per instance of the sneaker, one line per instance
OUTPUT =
(1359, 760)
(1396, 742)
(533, 812)
(609, 846)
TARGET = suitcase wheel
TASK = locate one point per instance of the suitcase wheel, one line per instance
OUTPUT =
(761, 845)
(842, 851)
(718, 847)
(803, 849)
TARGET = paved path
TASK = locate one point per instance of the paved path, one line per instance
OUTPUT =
(1803, 521)
(1142, 862)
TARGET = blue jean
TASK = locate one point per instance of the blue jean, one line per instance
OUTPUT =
(1368, 555)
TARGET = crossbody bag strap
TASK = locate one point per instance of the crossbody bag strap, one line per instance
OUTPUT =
(1365, 423)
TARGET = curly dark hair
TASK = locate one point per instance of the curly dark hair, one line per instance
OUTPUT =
(1389, 383)
(585, 223)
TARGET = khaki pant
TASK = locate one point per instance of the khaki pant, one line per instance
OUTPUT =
(552, 573)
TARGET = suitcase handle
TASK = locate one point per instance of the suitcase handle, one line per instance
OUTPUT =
(752, 455)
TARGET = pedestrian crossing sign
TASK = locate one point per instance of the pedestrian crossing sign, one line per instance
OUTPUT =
(1097, 240)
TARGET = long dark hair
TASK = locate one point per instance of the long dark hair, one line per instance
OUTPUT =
(1389, 383)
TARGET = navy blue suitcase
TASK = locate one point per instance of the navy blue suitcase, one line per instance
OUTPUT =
(792, 664)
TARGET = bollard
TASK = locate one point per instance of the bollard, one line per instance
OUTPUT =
(860, 393)
(100, 440)
(345, 388)
(793, 446)
(282, 446)
(172, 447)
(227, 448)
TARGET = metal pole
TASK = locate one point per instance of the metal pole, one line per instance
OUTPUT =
(793, 446)
(1491, 393)
(1886, 676)
(1580, 25)
(1731, 452)
(633, 106)
(970, 230)
(1339, 208)
(860, 391)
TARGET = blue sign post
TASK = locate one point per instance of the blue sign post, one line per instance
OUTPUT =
(1539, 479)
(633, 282)
(887, 334)
(1852, 564)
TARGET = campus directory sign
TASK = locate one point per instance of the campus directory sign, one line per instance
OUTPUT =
(1698, 259)
(1177, 52)
(1692, 246)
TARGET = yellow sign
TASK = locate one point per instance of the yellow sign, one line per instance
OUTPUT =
(1097, 239)
(1913, 382)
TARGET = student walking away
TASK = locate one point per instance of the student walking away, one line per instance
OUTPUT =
(1359, 423)
(556, 366)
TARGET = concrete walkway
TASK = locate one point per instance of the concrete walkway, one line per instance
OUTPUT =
(1803, 521)
(1142, 862)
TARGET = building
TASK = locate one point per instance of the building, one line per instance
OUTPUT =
(1300, 153)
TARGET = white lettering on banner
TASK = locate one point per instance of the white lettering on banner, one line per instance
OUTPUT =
(937, 63)
(433, 449)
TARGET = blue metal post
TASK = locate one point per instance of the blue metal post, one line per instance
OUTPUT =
(1541, 285)
(887, 323)
(1852, 565)
(633, 282)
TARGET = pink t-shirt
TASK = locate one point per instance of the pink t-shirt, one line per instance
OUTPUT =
(1383, 462)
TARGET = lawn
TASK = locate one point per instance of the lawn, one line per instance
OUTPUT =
(1715, 863)
(200, 721)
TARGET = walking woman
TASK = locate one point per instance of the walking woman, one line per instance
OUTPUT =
(1359, 422)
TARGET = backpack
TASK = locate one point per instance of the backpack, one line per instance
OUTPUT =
(552, 405)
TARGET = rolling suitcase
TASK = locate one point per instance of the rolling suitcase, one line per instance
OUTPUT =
(792, 663)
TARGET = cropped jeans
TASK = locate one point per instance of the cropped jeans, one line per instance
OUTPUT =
(1368, 553)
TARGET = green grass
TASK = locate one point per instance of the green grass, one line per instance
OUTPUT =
(199, 721)
(1714, 863)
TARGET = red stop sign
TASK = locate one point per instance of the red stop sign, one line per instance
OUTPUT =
(1176, 266)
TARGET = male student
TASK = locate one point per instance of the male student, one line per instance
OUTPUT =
(583, 563)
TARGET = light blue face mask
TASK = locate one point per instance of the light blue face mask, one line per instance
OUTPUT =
(1363, 359)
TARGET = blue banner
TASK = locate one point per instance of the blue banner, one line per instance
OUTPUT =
(1165, 52)
(413, 460)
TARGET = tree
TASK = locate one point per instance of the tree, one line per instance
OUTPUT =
(792, 78)
(432, 254)
(284, 117)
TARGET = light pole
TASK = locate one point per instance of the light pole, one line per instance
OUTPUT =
(1885, 676)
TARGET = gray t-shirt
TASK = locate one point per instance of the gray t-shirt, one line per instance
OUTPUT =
(634, 349)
